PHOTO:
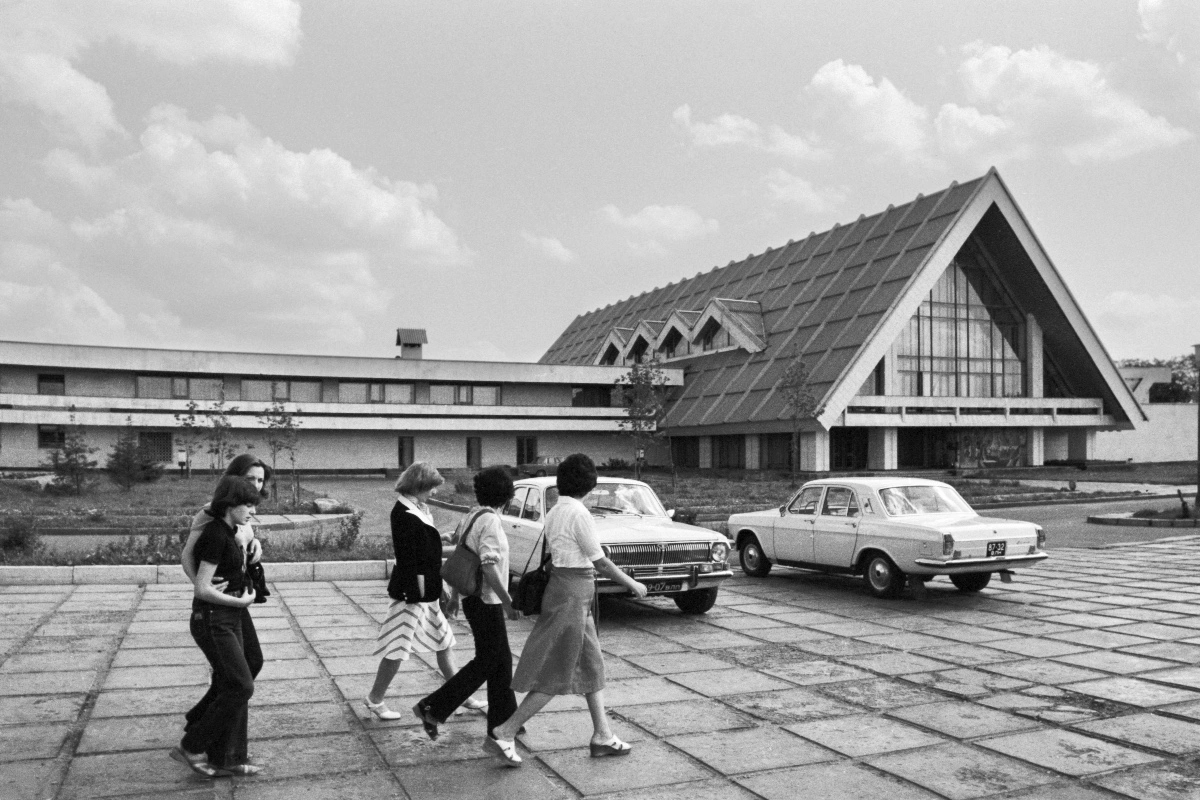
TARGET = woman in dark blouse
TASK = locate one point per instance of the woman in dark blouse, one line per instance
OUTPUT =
(216, 626)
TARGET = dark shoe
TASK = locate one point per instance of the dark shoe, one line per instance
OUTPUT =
(422, 712)
(198, 763)
(613, 747)
(503, 750)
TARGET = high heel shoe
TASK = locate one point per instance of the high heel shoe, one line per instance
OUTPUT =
(502, 749)
(613, 747)
(197, 763)
(381, 710)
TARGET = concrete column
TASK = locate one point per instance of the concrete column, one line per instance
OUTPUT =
(1035, 347)
(753, 456)
(889, 372)
(705, 452)
(1081, 443)
(814, 451)
(1036, 447)
(882, 450)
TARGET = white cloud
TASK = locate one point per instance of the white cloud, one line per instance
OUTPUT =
(1039, 99)
(734, 130)
(549, 247)
(40, 43)
(785, 187)
(1133, 324)
(875, 112)
(676, 223)
(1173, 24)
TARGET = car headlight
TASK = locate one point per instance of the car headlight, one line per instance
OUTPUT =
(947, 544)
(720, 551)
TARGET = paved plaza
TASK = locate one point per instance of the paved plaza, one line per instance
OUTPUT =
(1078, 680)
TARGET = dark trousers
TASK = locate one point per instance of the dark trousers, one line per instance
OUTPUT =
(492, 664)
(217, 725)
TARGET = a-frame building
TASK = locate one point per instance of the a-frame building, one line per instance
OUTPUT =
(936, 334)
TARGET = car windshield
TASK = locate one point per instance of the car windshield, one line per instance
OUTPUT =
(616, 498)
(902, 501)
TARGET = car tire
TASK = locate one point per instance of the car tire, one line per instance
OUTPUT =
(697, 601)
(883, 577)
(971, 582)
(541, 473)
(754, 560)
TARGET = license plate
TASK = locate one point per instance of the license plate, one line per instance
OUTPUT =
(654, 587)
(996, 548)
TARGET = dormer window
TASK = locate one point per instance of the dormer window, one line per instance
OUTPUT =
(638, 353)
(709, 336)
(610, 356)
(671, 346)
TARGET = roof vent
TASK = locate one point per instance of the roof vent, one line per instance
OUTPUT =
(410, 340)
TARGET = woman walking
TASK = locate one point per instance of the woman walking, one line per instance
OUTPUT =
(216, 626)
(258, 474)
(562, 654)
(482, 532)
(415, 622)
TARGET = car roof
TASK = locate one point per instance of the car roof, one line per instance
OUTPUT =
(549, 480)
(876, 482)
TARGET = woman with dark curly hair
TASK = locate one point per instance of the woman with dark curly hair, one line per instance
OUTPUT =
(562, 654)
(482, 532)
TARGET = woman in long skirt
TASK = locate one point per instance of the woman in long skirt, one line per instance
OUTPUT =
(562, 654)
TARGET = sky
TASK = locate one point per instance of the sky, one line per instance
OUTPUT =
(306, 177)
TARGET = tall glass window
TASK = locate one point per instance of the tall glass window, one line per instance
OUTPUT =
(966, 340)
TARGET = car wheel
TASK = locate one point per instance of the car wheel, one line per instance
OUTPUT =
(883, 577)
(972, 581)
(696, 601)
(754, 561)
(541, 473)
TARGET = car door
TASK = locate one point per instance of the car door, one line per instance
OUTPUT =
(836, 527)
(510, 517)
(793, 536)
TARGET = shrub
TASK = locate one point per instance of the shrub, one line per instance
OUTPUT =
(466, 487)
(129, 463)
(616, 465)
(348, 530)
(18, 534)
(72, 462)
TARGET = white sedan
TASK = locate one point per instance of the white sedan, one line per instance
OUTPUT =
(889, 530)
(684, 562)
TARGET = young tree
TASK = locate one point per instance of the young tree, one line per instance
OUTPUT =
(129, 463)
(72, 462)
(192, 432)
(798, 401)
(282, 437)
(218, 433)
(643, 392)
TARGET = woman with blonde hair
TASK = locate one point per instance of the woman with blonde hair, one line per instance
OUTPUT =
(415, 622)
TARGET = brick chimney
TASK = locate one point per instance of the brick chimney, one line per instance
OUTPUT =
(409, 340)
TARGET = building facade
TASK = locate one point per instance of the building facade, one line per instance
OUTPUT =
(935, 334)
(352, 414)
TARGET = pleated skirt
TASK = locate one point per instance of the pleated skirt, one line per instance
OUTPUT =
(413, 628)
(562, 653)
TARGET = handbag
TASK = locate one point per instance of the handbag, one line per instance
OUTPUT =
(531, 586)
(462, 569)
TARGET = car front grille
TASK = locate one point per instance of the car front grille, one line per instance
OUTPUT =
(654, 555)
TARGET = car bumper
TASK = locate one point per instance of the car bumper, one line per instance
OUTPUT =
(687, 581)
(951, 566)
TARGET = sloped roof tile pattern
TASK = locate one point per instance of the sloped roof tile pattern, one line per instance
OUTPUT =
(823, 295)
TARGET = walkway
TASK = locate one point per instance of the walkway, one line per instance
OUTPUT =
(1077, 681)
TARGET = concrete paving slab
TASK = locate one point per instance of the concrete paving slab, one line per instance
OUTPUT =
(1152, 731)
(961, 719)
(148, 772)
(311, 755)
(54, 662)
(1177, 781)
(1037, 670)
(667, 663)
(750, 750)
(831, 781)
(960, 772)
(40, 708)
(378, 785)
(722, 682)
(287, 669)
(139, 702)
(880, 694)
(1133, 691)
(712, 789)
(863, 735)
(561, 730)
(790, 705)
(965, 682)
(120, 734)
(651, 764)
(692, 716)
(817, 671)
(151, 677)
(27, 779)
(1067, 752)
(1114, 662)
(482, 779)
(47, 683)
(29, 742)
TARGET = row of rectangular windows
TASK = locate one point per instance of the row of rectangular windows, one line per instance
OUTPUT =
(185, 388)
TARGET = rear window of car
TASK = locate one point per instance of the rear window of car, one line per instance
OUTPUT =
(904, 501)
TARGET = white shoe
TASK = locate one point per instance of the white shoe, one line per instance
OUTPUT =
(381, 710)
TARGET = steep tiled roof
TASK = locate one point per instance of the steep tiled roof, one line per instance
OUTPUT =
(822, 296)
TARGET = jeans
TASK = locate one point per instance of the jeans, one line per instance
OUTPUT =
(492, 664)
(217, 725)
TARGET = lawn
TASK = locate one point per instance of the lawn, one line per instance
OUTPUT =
(1171, 473)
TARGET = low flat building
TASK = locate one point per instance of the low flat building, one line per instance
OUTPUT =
(352, 414)
(936, 334)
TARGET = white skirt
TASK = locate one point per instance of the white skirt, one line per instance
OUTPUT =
(413, 628)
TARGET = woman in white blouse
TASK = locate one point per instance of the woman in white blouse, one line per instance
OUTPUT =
(562, 654)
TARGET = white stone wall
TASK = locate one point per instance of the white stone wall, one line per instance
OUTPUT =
(1170, 435)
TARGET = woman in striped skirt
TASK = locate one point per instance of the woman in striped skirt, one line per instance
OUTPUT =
(415, 622)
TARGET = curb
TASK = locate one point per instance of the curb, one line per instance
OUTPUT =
(146, 574)
(1127, 521)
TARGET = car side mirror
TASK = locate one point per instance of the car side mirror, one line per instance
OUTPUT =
(783, 511)
(671, 513)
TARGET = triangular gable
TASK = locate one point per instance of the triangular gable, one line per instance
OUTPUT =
(616, 339)
(990, 196)
(741, 318)
(646, 331)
